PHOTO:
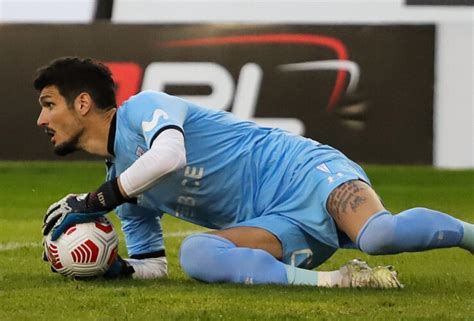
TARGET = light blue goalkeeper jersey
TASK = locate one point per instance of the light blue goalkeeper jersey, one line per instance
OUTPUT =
(235, 170)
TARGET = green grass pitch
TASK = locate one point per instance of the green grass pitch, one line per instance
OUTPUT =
(439, 284)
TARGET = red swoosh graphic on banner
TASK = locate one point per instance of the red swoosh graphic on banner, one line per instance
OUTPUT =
(306, 39)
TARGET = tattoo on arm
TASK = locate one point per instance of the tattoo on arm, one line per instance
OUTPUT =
(346, 196)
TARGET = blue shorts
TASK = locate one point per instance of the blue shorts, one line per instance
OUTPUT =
(301, 221)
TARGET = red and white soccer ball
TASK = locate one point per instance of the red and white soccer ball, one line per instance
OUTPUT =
(83, 250)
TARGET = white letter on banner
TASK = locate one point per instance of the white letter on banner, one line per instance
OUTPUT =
(160, 74)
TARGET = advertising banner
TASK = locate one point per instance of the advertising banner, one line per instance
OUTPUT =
(367, 90)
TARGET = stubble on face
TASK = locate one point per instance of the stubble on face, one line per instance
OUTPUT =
(67, 147)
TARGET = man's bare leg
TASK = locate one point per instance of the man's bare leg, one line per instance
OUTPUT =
(359, 213)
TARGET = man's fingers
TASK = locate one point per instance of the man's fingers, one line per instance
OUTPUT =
(58, 204)
(51, 210)
(71, 219)
(60, 227)
(43, 255)
(47, 227)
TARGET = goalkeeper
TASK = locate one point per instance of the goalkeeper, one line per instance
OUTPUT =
(280, 204)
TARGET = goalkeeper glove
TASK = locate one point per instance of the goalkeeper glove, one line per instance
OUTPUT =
(120, 268)
(74, 209)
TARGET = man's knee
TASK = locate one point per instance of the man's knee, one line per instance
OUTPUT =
(351, 204)
(199, 256)
(376, 237)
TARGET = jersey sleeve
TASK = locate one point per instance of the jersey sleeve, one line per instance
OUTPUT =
(151, 112)
(142, 229)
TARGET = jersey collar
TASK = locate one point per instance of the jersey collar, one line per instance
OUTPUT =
(111, 141)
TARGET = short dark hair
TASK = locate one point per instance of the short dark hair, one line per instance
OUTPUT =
(73, 75)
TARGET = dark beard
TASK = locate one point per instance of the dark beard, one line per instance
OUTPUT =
(67, 147)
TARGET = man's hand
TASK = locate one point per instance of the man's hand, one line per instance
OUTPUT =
(74, 209)
(143, 266)
(120, 268)
(70, 210)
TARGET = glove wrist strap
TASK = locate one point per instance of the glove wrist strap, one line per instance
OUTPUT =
(106, 197)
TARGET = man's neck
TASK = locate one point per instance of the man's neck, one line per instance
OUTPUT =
(96, 134)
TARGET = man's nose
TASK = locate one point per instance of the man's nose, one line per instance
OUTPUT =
(42, 119)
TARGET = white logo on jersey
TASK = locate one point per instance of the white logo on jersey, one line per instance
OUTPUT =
(149, 125)
(140, 151)
(297, 257)
(323, 168)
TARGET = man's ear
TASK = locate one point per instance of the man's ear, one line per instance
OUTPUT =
(83, 103)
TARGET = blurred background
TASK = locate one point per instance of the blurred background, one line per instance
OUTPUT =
(387, 81)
